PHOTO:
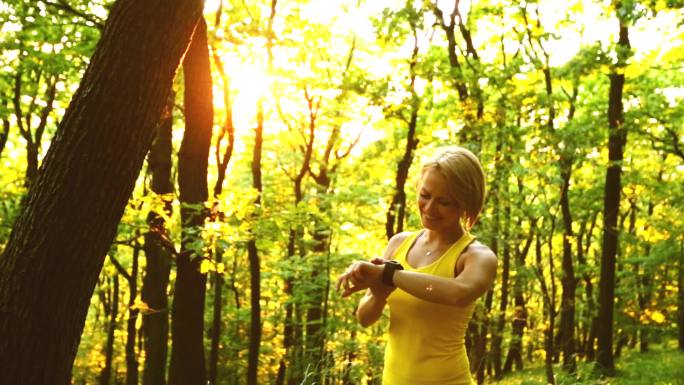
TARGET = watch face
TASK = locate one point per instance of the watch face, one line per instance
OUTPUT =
(388, 272)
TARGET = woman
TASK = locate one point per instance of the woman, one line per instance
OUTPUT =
(430, 278)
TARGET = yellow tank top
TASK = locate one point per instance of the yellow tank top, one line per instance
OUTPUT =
(426, 343)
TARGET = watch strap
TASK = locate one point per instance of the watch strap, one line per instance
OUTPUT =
(388, 272)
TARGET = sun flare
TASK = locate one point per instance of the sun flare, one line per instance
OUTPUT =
(248, 84)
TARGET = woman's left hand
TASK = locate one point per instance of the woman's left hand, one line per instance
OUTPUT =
(359, 276)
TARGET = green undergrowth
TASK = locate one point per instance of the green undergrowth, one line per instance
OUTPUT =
(663, 365)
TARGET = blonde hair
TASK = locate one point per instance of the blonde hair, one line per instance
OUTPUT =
(464, 176)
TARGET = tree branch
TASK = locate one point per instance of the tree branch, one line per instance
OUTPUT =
(120, 268)
(65, 6)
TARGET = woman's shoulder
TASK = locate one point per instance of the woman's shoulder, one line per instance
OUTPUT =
(395, 242)
(477, 251)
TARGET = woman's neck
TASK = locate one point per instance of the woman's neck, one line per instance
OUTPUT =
(436, 237)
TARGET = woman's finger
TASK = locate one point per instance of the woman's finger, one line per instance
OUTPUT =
(351, 291)
(378, 261)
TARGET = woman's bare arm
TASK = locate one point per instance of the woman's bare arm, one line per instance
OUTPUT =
(476, 278)
(372, 304)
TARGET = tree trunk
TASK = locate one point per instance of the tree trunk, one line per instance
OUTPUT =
(497, 338)
(680, 290)
(291, 328)
(611, 206)
(216, 320)
(155, 324)
(350, 357)
(645, 291)
(131, 357)
(58, 244)
(317, 310)
(588, 344)
(4, 135)
(222, 164)
(132, 279)
(480, 340)
(187, 322)
(550, 310)
(397, 209)
(568, 281)
(471, 100)
(520, 315)
(253, 255)
(112, 311)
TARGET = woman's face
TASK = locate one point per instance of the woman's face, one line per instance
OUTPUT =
(438, 211)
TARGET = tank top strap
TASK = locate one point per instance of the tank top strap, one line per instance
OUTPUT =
(402, 250)
(446, 264)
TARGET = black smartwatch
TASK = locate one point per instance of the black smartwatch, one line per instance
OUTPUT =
(388, 272)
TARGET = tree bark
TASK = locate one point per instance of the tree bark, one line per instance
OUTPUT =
(550, 310)
(291, 328)
(568, 280)
(112, 311)
(33, 138)
(480, 331)
(317, 303)
(132, 279)
(254, 264)
(158, 256)
(187, 323)
(680, 291)
(611, 206)
(520, 315)
(397, 209)
(497, 337)
(4, 135)
(58, 243)
(131, 357)
(590, 334)
(470, 95)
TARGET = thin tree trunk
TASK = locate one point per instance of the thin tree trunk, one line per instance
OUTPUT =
(317, 311)
(4, 135)
(471, 100)
(155, 325)
(611, 206)
(33, 138)
(397, 208)
(187, 324)
(113, 311)
(254, 263)
(291, 343)
(480, 341)
(588, 346)
(645, 291)
(503, 305)
(132, 279)
(520, 315)
(216, 320)
(350, 357)
(131, 358)
(680, 291)
(222, 163)
(568, 281)
(58, 243)
(550, 311)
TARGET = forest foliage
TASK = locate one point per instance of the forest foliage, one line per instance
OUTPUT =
(350, 94)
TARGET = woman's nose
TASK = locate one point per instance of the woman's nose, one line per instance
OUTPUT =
(430, 205)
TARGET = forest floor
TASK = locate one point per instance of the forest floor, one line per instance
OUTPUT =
(662, 365)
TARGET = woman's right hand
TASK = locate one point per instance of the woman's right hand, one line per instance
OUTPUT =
(381, 291)
(362, 275)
